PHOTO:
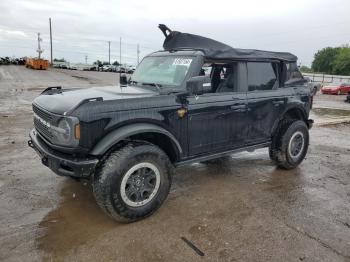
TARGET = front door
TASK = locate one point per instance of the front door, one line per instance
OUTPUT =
(213, 120)
(216, 119)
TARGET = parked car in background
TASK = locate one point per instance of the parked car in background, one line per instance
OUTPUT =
(12, 61)
(62, 65)
(107, 68)
(336, 89)
(126, 69)
(314, 86)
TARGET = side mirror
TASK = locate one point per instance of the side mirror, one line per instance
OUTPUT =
(198, 85)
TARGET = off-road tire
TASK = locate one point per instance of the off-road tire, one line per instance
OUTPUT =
(279, 150)
(273, 148)
(108, 177)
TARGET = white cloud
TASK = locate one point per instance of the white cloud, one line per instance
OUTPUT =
(84, 27)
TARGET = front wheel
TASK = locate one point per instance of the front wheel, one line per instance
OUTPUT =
(290, 144)
(133, 181)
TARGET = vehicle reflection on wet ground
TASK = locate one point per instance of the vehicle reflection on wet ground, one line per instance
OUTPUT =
(240, 207)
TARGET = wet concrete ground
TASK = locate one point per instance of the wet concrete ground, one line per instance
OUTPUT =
(241, 208)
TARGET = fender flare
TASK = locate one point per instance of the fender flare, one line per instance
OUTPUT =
(121, 133)
(292, 107)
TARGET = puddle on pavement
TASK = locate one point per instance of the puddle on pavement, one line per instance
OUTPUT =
(77, 220)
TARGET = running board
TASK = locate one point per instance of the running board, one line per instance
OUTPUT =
(221, 154)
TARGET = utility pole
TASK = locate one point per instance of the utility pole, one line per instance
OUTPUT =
(109, 52)
(51, 40)
(120, 51)
(39, 50)
(138, 53)
(86, 57)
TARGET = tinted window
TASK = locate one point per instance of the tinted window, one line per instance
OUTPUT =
(261, 76)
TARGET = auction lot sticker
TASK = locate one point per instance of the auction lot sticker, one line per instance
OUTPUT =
(182, 61)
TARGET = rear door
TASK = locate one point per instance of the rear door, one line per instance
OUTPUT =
(266, 101)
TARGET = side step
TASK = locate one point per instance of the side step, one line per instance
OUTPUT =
(221, 154)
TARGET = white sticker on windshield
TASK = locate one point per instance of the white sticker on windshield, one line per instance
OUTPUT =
(182, 61)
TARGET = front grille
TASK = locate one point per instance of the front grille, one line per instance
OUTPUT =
(42, 114)
(43, 129)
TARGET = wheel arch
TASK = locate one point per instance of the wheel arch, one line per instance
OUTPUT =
(140, 131)
(294, 112)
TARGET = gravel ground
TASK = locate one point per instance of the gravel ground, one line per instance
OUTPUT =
(241, 208)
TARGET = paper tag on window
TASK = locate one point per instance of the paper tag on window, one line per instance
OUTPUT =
(182, 61)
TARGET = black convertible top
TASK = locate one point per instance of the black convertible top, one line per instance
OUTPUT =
(215, 50)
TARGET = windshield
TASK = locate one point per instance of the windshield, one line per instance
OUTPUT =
(162, 70)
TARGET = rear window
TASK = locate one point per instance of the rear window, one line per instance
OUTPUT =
(261, 76)
(292, 74)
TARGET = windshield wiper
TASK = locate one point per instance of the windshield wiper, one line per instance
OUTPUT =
(158, 86)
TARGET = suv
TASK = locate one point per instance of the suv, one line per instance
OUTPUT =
(196, 100)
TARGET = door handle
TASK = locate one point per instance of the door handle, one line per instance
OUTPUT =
(239, 108)
(277, 103)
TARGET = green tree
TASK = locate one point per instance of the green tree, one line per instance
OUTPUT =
(305, 69)
(323, 60)
(98, 63)
(341, 63)
(116, 63)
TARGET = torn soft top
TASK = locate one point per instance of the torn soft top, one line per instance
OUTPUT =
(215, 50)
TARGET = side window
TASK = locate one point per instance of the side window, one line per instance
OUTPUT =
(223, 77)
(292, 74)
(262, 76)
(226, 76)
(206, 70)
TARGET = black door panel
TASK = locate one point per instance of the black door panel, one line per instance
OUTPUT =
(264, 109)
(213, 122)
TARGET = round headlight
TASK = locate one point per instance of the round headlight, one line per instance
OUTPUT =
(66, 135)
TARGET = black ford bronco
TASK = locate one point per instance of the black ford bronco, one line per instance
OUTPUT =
(196, 100)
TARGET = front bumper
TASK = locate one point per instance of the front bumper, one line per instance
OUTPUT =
(60, 163)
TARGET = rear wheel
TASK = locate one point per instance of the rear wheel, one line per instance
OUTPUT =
(290, 144)
(133, 181)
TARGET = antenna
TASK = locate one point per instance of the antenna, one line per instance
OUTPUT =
(39, 50)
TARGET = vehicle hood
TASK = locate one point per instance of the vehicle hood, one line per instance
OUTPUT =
(62, 103)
